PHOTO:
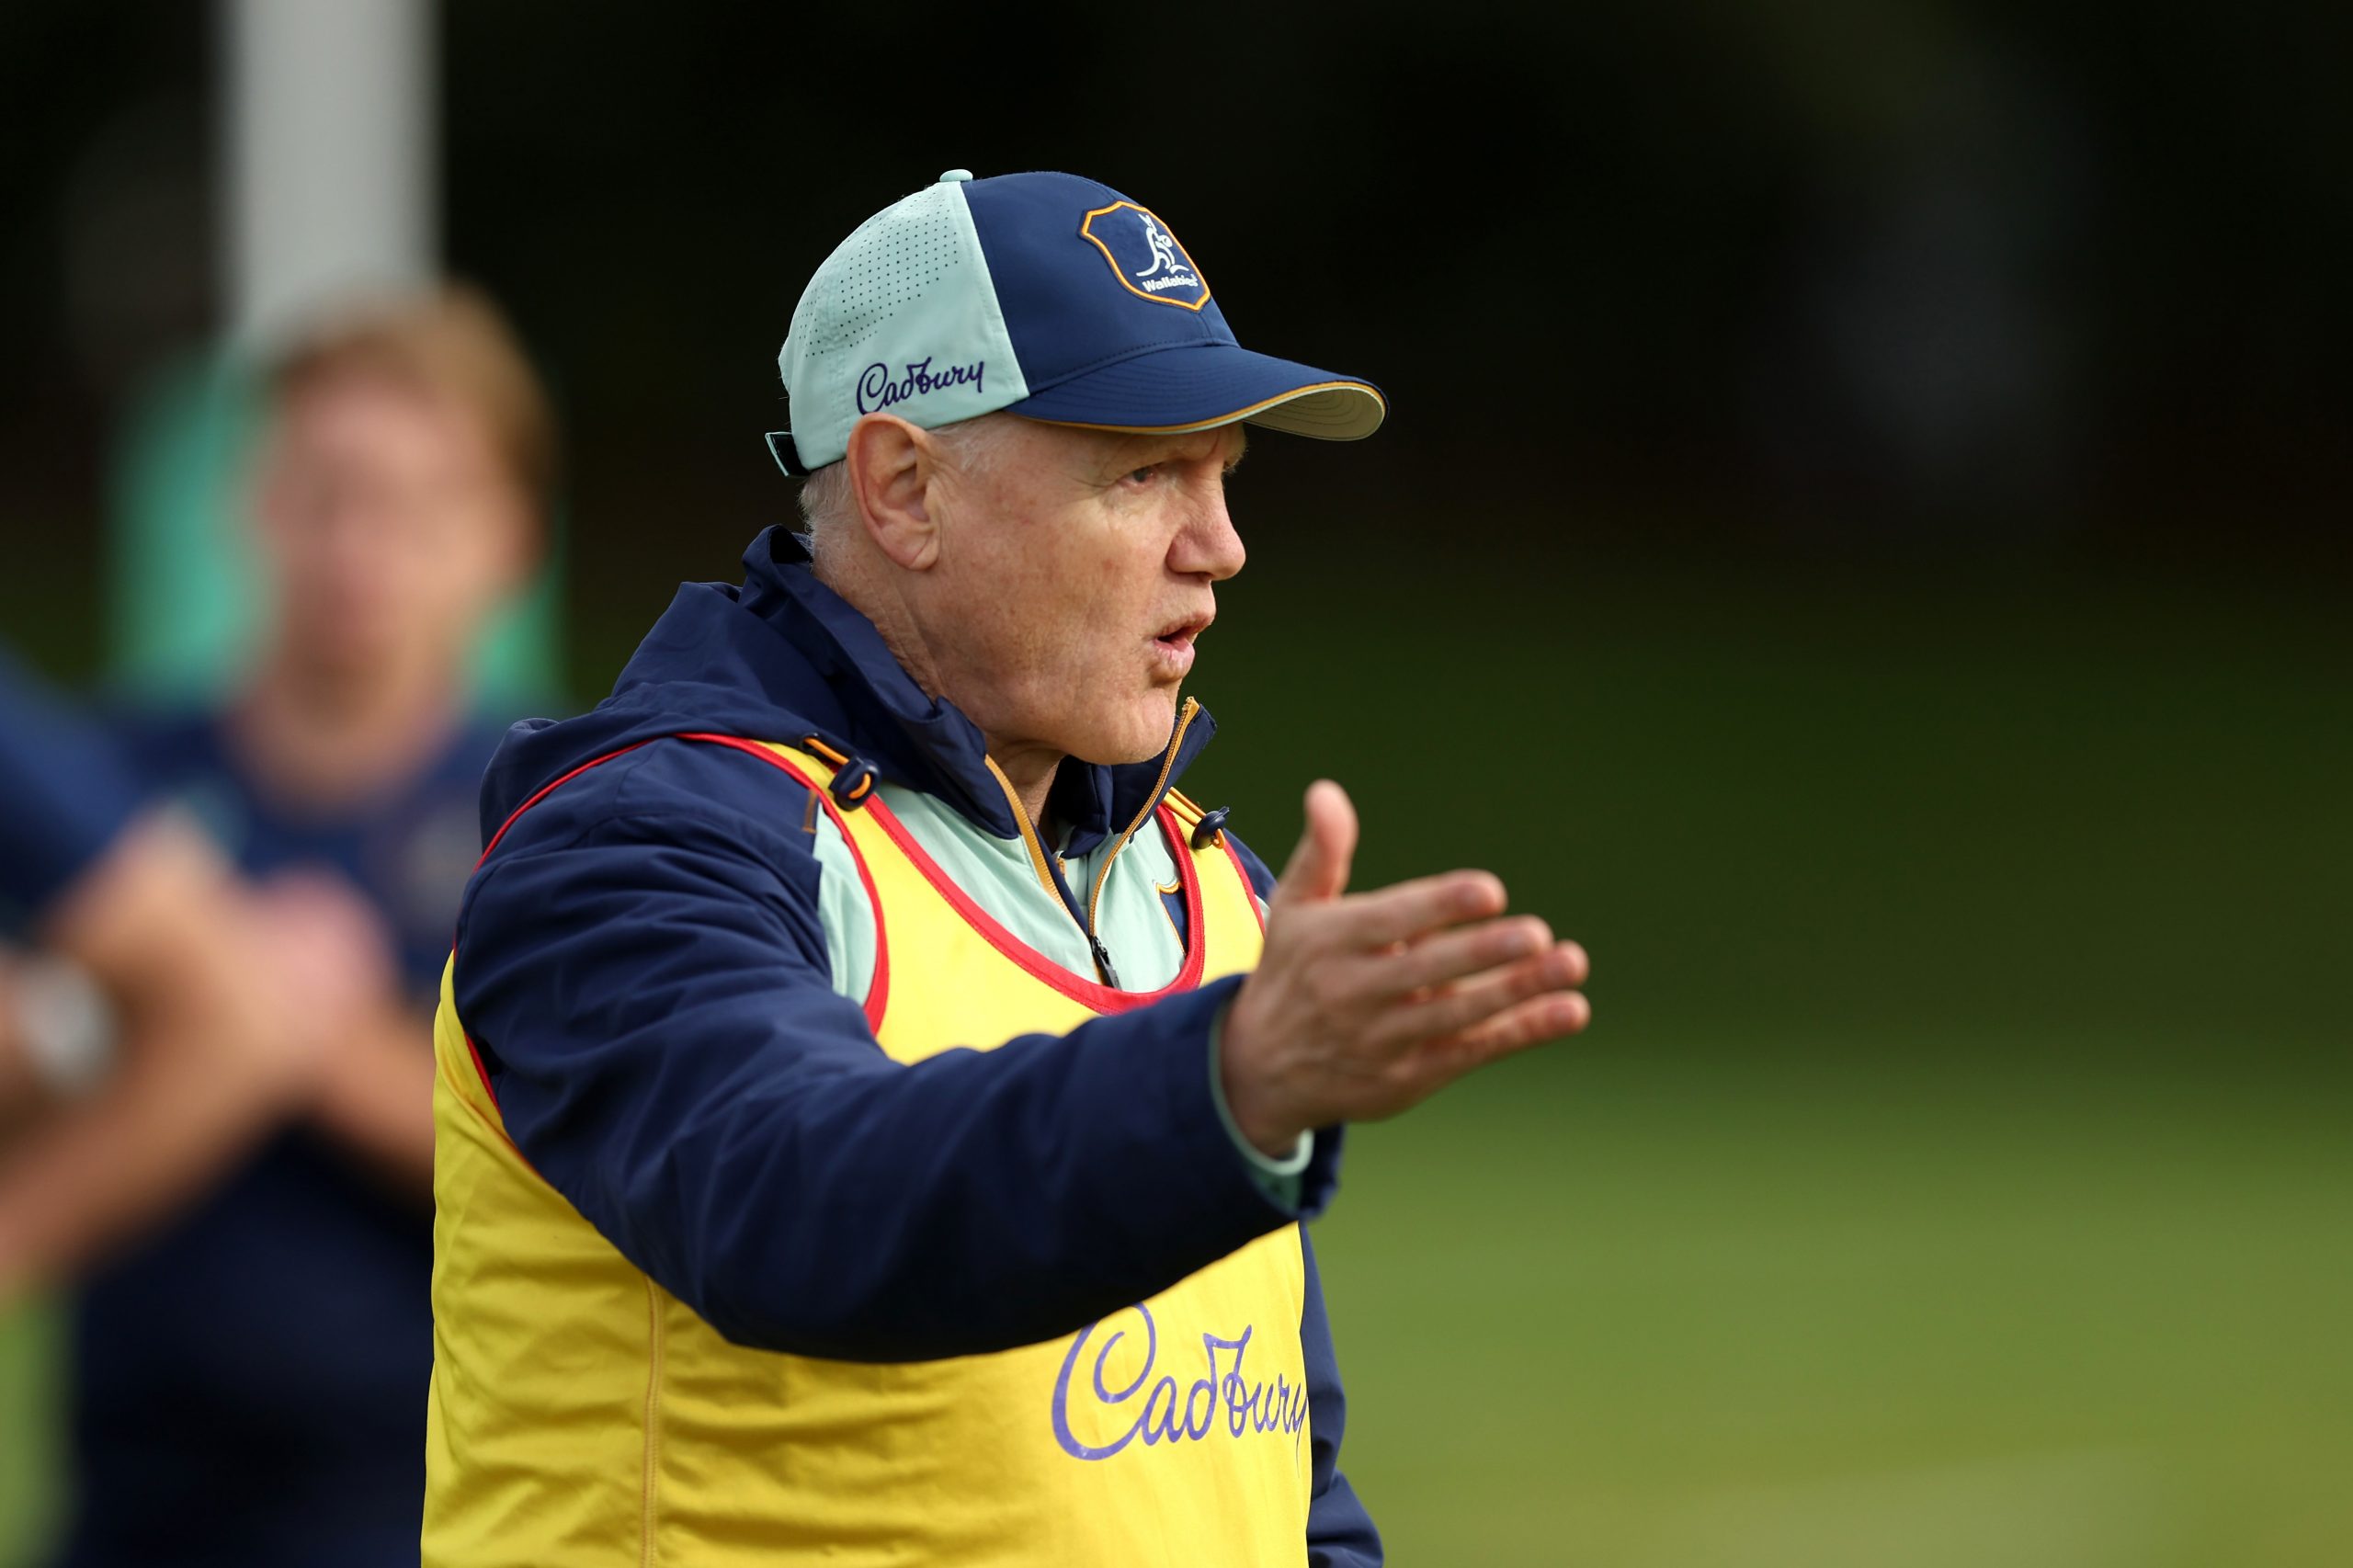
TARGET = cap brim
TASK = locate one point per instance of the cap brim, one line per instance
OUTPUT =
(1199, 386)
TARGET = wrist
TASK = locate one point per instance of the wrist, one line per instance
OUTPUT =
(1246, 1106)
(1274, 1137)
(1278, 1176)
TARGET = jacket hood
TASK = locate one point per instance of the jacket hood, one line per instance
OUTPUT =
(783, 658)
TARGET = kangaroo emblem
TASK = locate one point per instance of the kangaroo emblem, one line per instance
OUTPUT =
(1164, 249)
(1162, 273)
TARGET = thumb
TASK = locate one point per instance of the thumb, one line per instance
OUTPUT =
(1318, 869)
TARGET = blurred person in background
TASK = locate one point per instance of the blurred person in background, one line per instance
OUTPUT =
(250, 1385)
(161, 1022)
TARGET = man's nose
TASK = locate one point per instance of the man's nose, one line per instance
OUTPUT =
(1208, 544)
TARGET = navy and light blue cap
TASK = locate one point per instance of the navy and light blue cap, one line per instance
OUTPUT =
(1043, 295)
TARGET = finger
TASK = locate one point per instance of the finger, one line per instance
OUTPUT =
(1518, 1027)
(1450, 955)
(1465, 1007)
(1408, 910)
(1318, 869)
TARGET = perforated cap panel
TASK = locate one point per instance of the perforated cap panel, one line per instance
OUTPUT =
(894, 258)
(901, 317)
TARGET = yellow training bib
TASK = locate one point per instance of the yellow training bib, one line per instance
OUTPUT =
(582, 1418)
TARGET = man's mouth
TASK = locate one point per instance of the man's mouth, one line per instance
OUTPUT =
(1181, 633)
(1172, 646)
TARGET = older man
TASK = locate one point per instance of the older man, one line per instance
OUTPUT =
(876, 1110)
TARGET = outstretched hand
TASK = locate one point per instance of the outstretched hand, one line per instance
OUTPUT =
(1366, 1004)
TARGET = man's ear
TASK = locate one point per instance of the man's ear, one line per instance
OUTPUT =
(891, 470)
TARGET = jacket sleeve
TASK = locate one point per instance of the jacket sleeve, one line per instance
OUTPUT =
(1340, 1534)
(648, 989)
(1262, 881)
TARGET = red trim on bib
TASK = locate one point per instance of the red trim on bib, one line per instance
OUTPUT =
(541, 793)
(498, 1123)
(1100, 998)
(878, 992)
(544, 791)
(483, 1072)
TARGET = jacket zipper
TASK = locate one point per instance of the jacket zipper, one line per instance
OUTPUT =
(1152, 802)
(1047, 879)
(1044, 867)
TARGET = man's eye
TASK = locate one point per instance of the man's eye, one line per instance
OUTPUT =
(1145, 475)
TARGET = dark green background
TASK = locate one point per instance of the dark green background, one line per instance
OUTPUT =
(1861, 543)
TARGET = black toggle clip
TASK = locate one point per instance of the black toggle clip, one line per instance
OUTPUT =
(853, 784)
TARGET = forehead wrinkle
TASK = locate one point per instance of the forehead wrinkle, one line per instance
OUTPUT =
(1118, 451)
(1188, 446)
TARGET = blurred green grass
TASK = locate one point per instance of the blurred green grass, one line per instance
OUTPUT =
(1605, 1309)
(28, 1465)
(1956, 1173)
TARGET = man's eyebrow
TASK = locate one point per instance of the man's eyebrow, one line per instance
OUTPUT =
(1241, 450)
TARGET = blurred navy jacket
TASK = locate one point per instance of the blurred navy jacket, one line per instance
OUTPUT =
(249, 1383)
(64, 796)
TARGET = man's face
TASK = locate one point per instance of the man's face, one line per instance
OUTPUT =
(1075, 574)
(388, 526)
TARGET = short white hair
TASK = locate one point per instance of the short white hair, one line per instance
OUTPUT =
(975, 446)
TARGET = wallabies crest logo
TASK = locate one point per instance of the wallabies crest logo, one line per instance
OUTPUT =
(1144, 257)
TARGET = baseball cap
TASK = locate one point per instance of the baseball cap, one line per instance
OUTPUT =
(1043, 295)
